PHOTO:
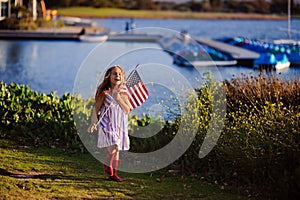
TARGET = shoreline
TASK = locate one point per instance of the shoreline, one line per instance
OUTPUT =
(183, 18)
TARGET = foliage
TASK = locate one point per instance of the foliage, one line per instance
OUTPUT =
(37, 118)
(19, 20)
(28, 24)
(258, 147)
(9, 23)
(49, 24)
(257, 90)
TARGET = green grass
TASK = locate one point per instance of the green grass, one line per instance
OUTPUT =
(45, 173)
(90, 12)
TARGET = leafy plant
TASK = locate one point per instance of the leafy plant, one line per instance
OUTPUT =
(258, 147)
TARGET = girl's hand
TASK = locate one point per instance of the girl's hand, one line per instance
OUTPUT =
(92, 128)
(116, 92)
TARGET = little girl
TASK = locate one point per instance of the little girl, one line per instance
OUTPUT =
(111, 108)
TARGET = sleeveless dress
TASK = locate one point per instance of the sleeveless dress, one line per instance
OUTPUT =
(113, 127)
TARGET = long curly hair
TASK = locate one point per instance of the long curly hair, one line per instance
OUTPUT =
(105, 85)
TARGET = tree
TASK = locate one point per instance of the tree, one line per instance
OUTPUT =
(144, 4)
(195, 6)
(216, 5)
(101, 3)
(230, 5)
(278, 6)
(130, 4)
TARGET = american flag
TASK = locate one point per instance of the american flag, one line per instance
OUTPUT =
(137, 91)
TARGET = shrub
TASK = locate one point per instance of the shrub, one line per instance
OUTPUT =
(258, 148)
(259, 145)
(10, 24)
(36, 118)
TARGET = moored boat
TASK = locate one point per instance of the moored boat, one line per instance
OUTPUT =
(93, 37)
(290, 52)
(269, 61)
(187, 52)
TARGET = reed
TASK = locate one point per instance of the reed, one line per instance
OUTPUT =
(257, 90)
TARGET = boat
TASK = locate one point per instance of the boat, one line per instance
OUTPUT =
(187, 57)
(285, 54)
(269, 61)
(187, 52)
(93, 37)
(76, 21)
(286, 42)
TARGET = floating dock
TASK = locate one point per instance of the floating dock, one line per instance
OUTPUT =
(134, 37)
(242, 56)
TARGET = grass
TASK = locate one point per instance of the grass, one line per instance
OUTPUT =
(51, 173)
(90, 12)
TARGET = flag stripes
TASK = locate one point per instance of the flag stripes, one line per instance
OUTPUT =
(137, 91)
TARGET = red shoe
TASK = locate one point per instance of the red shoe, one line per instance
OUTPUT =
(108, 170)
(115, 178)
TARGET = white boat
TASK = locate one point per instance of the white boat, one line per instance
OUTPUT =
(286, 42)
(269, 61)
(204, 63)
(76, 21)
(93, 37)
(282, 65)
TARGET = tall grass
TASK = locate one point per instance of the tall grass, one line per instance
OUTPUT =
(257, 90)
(259, 146)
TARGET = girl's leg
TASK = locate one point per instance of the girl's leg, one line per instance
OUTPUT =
(108, 163)
(110, 157)
(115, 166)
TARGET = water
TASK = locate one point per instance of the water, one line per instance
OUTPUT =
(57, 65)
(259, 29)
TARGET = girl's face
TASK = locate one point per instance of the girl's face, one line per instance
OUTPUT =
(116, 76)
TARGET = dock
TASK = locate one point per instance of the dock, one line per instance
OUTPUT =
(133, 37)
(73, 34)
(38, 35)
(33, 35)
(242, 56)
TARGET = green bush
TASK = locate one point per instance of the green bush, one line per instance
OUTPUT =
(259, 145)
(36, 118)
(28, 24)
(10, 24)
(49, 24)
(258, 148)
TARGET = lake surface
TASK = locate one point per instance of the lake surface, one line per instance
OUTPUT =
(68, 66)
(258, 29)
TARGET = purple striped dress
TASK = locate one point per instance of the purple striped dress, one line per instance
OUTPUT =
(113, 128)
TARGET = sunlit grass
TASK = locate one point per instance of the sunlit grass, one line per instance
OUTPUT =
(51, 173)
(90, 12)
